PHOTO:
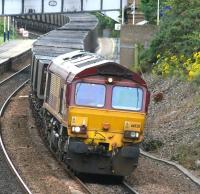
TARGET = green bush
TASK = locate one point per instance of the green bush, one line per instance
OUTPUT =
(149, 8)
(106, 23)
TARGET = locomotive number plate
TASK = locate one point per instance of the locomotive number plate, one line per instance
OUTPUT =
(130, 125)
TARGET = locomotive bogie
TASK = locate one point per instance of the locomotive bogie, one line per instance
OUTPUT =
(100, 163)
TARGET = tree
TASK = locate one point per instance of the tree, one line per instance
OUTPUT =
(179, 32)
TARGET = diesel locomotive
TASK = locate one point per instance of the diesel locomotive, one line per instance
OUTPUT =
(93, 110)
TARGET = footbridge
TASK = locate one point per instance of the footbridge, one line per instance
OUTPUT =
(25, 7)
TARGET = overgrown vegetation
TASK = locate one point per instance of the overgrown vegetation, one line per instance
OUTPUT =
(175, 48)
(106, 23)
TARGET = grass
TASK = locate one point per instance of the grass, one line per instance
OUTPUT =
(16, 36)
(187, 155)
(1, 40)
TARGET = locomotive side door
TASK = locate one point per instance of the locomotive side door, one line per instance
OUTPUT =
(63, 104)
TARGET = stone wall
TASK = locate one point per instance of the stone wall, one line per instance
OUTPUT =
(131, 35)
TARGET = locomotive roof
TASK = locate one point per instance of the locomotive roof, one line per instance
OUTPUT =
(79, 64)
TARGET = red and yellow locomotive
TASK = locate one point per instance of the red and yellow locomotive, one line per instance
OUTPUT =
(94, 112)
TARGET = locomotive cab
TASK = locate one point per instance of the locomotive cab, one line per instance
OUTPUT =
(99, 107)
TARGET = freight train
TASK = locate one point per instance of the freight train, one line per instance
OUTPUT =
(92, 109)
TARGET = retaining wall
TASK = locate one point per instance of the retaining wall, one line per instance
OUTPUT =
(131, 35)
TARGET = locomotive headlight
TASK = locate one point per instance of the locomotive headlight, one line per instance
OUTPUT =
(131, 134)
(77, 129)
(110, 80)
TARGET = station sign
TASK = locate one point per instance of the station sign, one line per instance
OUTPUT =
(118, 27)
(25, 34)
(21, 30)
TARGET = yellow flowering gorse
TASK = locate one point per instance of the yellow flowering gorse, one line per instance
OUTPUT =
(178, 65)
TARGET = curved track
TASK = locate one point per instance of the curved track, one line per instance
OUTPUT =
(8, 88)
(10, 84)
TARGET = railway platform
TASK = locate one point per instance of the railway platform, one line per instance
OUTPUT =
(12, 52)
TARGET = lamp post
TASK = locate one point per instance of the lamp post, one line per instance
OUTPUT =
(158, 12)
(8, 28)
(4, 29)
(122, 15)
(133, 11)
(13, 30)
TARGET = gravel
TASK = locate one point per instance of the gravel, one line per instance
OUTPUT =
(175, 120)
(41, 172)
(8, 182)
(171, 122)
(157, 178)
(111, 189)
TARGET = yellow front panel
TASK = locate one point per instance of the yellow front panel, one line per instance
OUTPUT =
(95, 119)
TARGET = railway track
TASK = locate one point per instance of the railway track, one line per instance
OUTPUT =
(92, 188)
(10, 180)
(10, 84)
(123, 188)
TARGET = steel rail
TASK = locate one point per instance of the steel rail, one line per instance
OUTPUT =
(14, 74)
(130, 188)
(175, 165)
(8, 160)
(83, 185)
